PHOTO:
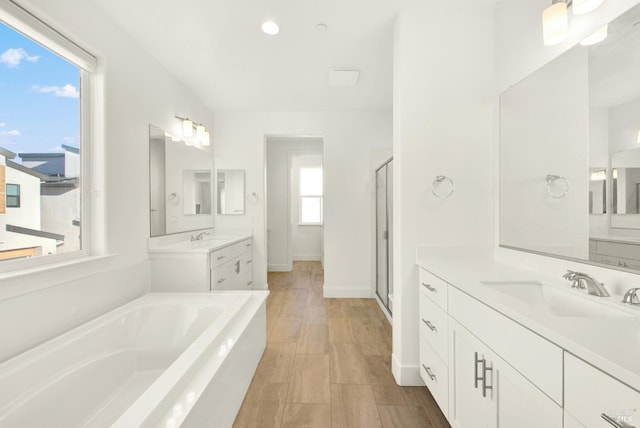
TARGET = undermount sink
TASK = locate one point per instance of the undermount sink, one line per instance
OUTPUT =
(555, 302)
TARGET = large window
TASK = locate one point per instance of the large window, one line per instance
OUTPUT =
(310, 196)
(44, 124)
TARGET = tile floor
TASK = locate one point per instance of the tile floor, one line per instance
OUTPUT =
(328, 364)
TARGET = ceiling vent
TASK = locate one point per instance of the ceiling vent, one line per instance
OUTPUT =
(343, 77)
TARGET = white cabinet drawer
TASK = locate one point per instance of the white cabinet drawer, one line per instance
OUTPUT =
(219, 257)
(222, 277)
(435, 374)
(536, 358)
(589, 393)
(434, 288)
(239, 248)
(434, 325)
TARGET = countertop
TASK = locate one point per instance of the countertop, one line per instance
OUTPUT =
(611, 343)
(634, 240)
(209, 243)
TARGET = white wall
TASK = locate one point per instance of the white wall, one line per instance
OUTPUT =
(132, 91)
(347, 137)
(443, 112)
(306, 241)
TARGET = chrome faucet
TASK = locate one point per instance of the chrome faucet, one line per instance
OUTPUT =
(199, 236)
(631, 297)
(582, 281)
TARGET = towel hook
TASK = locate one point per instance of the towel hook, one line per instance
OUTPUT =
(442, 181)
(557, 181)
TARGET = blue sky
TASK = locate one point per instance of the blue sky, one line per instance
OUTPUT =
(39, 104)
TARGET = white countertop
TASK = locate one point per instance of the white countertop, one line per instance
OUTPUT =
(207, 244)
(611, 343)
(635, 240)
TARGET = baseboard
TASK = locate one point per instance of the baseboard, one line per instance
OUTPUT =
(405, 375)
(307, 258)
(279, 268)
(346, 292)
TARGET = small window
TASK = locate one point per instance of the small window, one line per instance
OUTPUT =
(311, 196)
(13, 195)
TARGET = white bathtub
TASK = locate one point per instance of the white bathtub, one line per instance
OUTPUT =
(163, 360)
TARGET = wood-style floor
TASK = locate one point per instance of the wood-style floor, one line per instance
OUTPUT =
(328, 364)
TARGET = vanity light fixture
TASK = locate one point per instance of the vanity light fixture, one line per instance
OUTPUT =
(270, 28)
(202, 136)
(638, 140)
(555, 18)
(596, 37)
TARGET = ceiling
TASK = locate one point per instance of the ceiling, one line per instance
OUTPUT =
(218, 49)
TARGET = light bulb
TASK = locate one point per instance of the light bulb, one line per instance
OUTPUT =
(585, 6)
(270, 28)
(596, 37)
(187, 128)
(207, 139)
(555, 24)
(200, 132)
(638, 140)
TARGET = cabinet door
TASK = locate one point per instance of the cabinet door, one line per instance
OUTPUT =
(520, 403)
(471, 408)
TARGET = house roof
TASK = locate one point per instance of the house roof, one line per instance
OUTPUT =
(7, 153)
(22, 168)
(71, 149)
(40, 155)
(34, 232)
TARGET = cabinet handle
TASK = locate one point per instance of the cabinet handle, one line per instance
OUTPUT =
(615, 423)
(249, 261)
(477, 379)
(486, 369)
(429, 373)
(250, 283)
(247, 245)
(221, 257)
(429, 287)
(221, 280)
(428, 324)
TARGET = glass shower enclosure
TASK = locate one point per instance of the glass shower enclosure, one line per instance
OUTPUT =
(384, 234)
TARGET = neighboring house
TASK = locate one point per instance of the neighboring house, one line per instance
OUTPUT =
(60, 193)
(21, 233)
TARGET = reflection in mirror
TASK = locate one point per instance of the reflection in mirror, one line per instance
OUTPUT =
(230, 191)
(576, 117)
(597, 190)
(197, 192)
(180, 192)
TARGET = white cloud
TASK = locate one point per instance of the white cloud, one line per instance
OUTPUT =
(2, 124)
(66, 91)
(13, 57)
(12, 133)
(56, 149)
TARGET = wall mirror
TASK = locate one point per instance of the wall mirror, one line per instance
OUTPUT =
(570, 153)
(230, 191)
(180, 191)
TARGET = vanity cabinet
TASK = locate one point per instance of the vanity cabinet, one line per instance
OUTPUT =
(590, 393)
(615, 252)
(483, 369)
(489, 392)
(231, 267)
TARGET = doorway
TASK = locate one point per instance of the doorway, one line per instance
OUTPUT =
(295, 201)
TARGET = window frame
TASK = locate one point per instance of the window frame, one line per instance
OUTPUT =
(31, 26)
(301, 196)
(7, 195)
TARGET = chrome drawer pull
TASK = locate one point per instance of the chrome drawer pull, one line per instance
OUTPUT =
(221, 257)
(429, 287)
(616, 423)
(486, 387)
(428, 324)
(477, 379)
(247, 245)
(221, 280)
(429, 373)
(249, 261)
(250, 283)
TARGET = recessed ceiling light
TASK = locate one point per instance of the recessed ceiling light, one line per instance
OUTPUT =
(321, 28)
(270, 28)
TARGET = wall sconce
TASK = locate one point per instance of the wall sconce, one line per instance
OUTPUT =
(555, 19)
(201, 134)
